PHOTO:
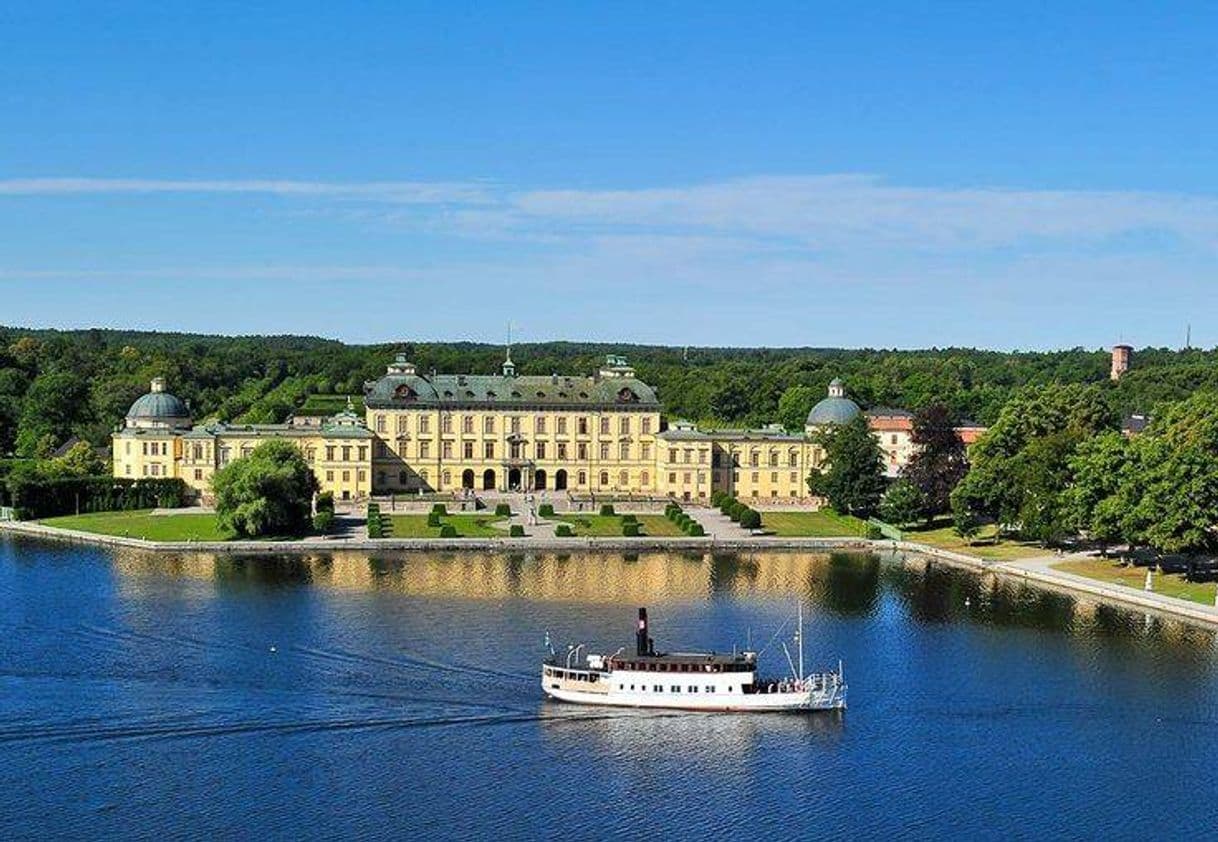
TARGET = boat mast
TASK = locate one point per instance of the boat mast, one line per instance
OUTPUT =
(801, 640)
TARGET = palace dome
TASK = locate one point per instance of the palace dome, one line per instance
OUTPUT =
(834, 409)
(158, 407)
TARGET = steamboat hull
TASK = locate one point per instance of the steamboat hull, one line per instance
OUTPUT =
(750, 703)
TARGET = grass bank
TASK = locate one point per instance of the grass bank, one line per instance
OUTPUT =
(824, 523)
(144, 524)
(1114, 572)
(467, 526)
(985, 545)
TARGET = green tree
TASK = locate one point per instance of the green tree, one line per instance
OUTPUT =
(903, 504)
(794, 405)
(52, 405)
(81, 460)
(939, 461)
(853, 481)
(269, 492)
(965, 521)
(1093, 503)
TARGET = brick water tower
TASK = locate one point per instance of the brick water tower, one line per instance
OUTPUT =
(1121, 356)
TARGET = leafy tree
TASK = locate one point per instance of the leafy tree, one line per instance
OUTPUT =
(81, 460)
(53, 404)
(794, 405)
(939, 461)
(269, 492)
(1093, 502)
(853, 480)
(965, 521)
(903, 503)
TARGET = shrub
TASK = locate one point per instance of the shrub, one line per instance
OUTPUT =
(438, 509)
(516, 531)
(268, 492)
(545, 510)
(736, 510)
(607, 510)
(873, 532)
(671, 511)
(323, 521)
(631, 529)
(448, 531)
(376, 529)
(503, 510)
(373, 511)
(750, 519)
(433, 518)
(325, 501)
(694, 530)
(629, 519)
(563, 530)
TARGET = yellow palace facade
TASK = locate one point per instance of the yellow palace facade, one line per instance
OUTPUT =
(595, 435)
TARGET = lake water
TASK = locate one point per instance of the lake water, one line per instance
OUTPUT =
(397, 696)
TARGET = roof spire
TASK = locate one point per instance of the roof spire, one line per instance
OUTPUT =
(509, 367)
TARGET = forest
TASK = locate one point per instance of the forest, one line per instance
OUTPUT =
(58, 384)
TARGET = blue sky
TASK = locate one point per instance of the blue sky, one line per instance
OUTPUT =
(1013, 175)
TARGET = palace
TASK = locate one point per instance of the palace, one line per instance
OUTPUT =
(602, 434)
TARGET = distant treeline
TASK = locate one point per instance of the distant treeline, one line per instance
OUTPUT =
(57, 384)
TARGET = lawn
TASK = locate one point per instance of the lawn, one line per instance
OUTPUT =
(593, 525)
(824, 523)
(658, 526)
(144, 524)
(1113, 572)
(986, 544)
(467, 526)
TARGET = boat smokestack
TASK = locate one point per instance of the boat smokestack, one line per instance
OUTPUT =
(643, 643)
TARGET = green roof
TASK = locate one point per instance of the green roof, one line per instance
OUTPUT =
(403, 391)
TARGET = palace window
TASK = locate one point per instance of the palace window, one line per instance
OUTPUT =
(604, 478)
(467, 449)
(754, 459)
(381, 425)
(687, 477)
(646, 424)
(488, 424)
(424, 449)
(467, 424)
(582, 426)
(689, 456)
(623, 479)
(329, 453)
(541, 450)
(446, 449)
(488, 450)
(401, 424)
(514, 450)
(539, 424)
(424, 424)
(562, 424)
(793, 458)
(402, 449)
(644, 479)
(359, 475)
(329, 476)
(562, 450)
(623, 424)
(446, 423)
(604, 450)
(363, 452)
(623, 451)
(645, 451)
(582, 450)
(672, 477)
(604, 426)
(346, 453)
(198, 473)
(774, 476)
(446, 478)
(514, 424)
(672, 454)
(773, 458)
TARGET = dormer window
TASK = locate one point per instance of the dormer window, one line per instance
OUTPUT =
(405, 393)
(627, 395)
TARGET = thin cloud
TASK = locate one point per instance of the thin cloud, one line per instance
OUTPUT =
(389, 192)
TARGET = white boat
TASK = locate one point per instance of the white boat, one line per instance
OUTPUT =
(688, 680)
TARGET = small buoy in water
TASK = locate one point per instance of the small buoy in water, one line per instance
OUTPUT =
(967, 602)
(273, 649)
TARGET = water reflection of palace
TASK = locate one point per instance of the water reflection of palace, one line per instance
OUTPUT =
(579, 577)
(845, 584)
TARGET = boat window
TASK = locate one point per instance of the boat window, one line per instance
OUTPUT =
(675, 689)
(710, 689)
(693, 688)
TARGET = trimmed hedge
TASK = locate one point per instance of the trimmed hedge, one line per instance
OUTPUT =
(750, 519)
(629, 519)
(631, 529)
(376, 529)
(32, 499)
(563, 530)
(545, 510)
(448, 531)
(516, 531)
(433, 518)
(323, 521)
(694, 529)
(438, 509)
(607, 510)
(325, 502)
(503, 510)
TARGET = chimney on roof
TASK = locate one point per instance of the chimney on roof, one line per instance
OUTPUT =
(401, 365)
(158, 384)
